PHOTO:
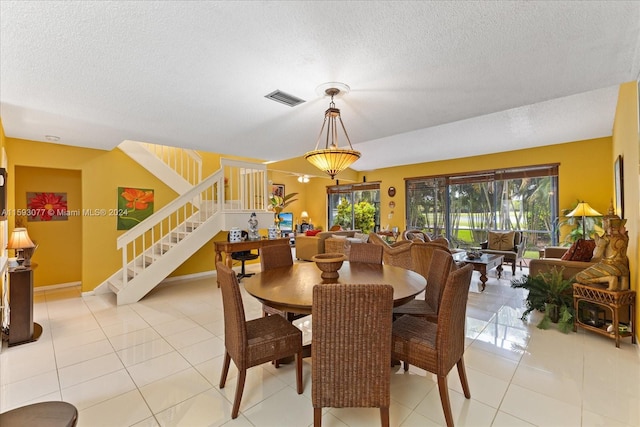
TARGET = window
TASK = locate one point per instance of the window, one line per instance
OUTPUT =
(463, 207)
(355, 206)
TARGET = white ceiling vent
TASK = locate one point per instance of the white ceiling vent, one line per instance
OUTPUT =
(284, 98)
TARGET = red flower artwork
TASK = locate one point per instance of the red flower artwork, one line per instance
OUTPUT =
(46, 206)
(137, 199)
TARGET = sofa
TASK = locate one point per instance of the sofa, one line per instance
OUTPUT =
(308, 246)
(551, 259)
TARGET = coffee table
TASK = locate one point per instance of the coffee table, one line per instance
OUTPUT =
(483, 264)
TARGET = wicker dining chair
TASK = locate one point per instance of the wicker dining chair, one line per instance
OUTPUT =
(397, 254)
(437, 347)
(351, 348)
(365, 252)
(440, 265)
(254, 342)
(273, 257)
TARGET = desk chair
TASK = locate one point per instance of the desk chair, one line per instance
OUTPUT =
(243, 256)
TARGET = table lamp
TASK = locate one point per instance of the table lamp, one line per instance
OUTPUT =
(584, 210)
(20, 241)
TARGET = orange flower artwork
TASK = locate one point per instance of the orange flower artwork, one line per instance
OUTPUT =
(47, 206)
(134, 205)
(137, 199)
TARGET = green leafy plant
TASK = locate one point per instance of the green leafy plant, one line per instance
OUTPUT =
(364, 215)
(574, 225)
(278, 203)
(547, 290)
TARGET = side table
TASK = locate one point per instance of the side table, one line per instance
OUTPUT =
(613, 301)
(22, 329)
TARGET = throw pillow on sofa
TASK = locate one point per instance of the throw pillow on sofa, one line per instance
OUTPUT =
(311, 232)
(501, 241)
(581, 250)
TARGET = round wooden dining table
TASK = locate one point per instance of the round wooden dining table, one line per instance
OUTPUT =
(290, 288)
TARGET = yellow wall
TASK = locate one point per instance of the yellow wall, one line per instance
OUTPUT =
(58, 256)
(582, 174)
(101, 174)
(626, 142)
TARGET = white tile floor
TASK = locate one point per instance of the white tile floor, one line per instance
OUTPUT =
(157, 363)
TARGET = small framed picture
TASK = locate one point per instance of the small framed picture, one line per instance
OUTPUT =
(619, 184)
(277, 190)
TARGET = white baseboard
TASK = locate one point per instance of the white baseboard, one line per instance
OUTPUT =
(190, 276)
(58, 286)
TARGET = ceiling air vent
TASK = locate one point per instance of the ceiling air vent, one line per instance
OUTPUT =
(284, 98)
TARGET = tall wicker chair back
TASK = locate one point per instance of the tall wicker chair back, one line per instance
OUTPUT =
(254, 342)
(437, 347)
(397, 254)
(440, 265)
(273, 257)
(351, 348)
(365, 252)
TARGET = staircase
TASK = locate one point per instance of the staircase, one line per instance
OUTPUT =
(163, 241)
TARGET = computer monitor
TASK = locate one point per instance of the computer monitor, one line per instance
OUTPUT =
(286, 221)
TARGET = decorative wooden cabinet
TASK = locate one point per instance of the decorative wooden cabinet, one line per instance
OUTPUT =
(599, 301)
(21, 327)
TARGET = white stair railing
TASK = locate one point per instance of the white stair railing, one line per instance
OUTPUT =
(187, 163)
(236, 187)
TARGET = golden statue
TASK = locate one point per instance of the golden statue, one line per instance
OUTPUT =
(612, 267)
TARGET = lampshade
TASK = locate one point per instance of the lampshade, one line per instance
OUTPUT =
(583, 209)
(303, 179)
(332, 160)
(304, 216)
(20, 239)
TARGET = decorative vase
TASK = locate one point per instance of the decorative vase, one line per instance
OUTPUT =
(329, 264)
(235, 235)
(273, 232)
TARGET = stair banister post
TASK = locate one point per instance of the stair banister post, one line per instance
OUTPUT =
(124, 265)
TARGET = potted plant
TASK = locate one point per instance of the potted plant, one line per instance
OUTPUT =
(550, 293)
(278, 203)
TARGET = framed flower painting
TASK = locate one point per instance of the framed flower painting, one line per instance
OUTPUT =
(134, 205)
(43, 206)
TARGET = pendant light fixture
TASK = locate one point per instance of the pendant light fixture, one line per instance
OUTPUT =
(331, 159)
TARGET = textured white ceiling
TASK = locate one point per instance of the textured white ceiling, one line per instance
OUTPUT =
(429, 80)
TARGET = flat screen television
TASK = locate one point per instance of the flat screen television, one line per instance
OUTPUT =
(286, 221)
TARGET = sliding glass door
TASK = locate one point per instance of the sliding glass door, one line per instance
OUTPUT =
(355, 206)
(464, 207)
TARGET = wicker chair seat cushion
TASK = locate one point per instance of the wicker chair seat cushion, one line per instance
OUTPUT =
(417, 307)
(271, 337)
(415, 339)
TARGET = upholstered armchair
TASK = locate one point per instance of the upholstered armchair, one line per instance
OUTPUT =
(510, 247)
(398, 253)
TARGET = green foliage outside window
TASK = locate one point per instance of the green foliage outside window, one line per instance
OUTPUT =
(364, 213)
